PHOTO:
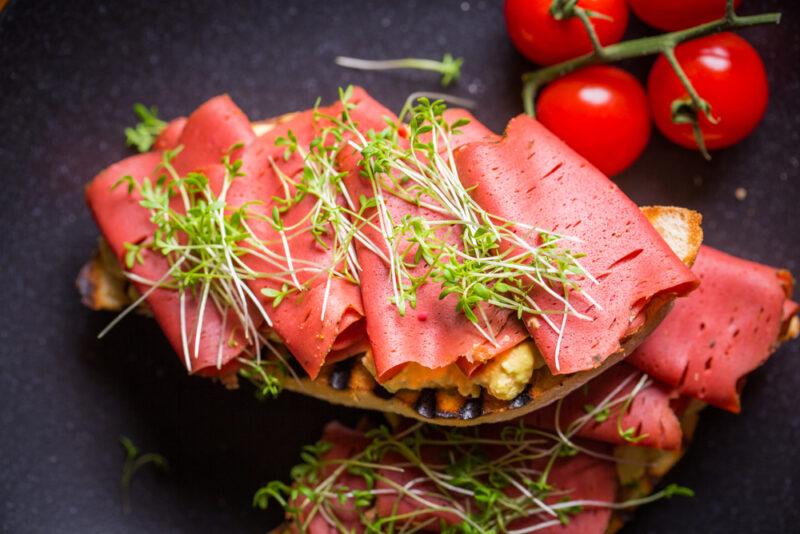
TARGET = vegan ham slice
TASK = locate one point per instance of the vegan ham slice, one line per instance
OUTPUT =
(579, 478)
(206, 135)
(210, 132)
(170, 135)
(122, 220)
(204, 138)
(582, 477)
(530, 176)
(433, 334)
(649, 414)
(298, 319)
(724, 330)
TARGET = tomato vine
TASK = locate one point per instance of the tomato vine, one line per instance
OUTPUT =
(687, 110)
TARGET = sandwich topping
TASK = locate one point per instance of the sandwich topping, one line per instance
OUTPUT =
(434, 246)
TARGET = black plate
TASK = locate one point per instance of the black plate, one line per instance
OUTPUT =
(69, 74)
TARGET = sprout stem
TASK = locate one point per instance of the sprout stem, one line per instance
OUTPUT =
(449, 67)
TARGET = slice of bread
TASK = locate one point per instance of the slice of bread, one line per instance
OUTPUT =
(103, 287)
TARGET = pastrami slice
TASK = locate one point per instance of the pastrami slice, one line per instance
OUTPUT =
(298, 319)
(432, 334)
(624, 412)
(530, 176)
(206, 136)
(724, 330)
(580, 478)
(116, 210)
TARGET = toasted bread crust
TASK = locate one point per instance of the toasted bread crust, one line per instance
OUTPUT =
(680, 228)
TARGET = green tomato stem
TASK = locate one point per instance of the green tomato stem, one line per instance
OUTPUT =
(699, 139)
(698, 103)
(585, 19)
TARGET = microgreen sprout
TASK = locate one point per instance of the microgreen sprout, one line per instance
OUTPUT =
(483, 481)
(266, 376)
(144, 134)
(411, 101)
(134, 461)
(449, 67)
(599, 416)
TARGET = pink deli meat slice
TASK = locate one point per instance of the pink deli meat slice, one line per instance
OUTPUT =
(530, 176)
(727, 328)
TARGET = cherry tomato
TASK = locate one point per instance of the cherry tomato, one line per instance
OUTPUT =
(545, 40)
(728, 73)
(601, 112)
(673, 15)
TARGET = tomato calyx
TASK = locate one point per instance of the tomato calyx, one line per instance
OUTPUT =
(566, 9)
(563, 9)
(684, 111)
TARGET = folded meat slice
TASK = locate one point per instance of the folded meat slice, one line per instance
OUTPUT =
(648, 417)
(433, 334)
(117, 212)
(326, 317)
(724, 330)
(424, 507)
(210, 132)
(530, 176)
(580, 477)
(583, 478)
(342, 443)
(205, 136)
(170, 135)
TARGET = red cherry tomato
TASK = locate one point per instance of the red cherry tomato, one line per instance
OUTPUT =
(728, 73)
(601, 112)
(673, 15)
(545, 40)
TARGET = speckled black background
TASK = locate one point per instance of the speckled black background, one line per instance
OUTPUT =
(69, 74)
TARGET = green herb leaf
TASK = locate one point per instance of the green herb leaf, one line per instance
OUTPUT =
(144, 133)
(133, 462)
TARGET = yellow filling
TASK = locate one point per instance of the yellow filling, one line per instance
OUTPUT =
(415, 376)
(507, 374)
(504, 377)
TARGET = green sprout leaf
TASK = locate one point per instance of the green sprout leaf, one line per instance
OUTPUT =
(133, 462)
(601, 415)
(143, 135)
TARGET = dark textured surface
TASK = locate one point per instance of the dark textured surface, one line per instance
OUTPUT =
(69, 74)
